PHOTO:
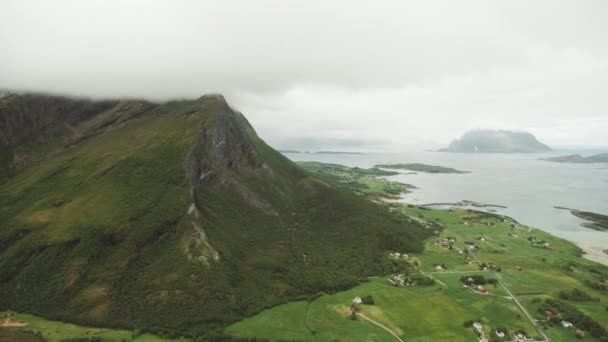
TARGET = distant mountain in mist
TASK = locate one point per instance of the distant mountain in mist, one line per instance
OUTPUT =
(496, 141)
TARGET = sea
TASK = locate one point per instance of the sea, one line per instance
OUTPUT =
(529, 187)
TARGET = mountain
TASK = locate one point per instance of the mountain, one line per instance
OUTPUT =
(173, 218)
(577, 158)
(497, 141)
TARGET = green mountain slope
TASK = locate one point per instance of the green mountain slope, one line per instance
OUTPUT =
(174, 218)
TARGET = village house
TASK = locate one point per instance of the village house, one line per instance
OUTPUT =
(580, 333)
(477, 327)
(549, 313)
(500, 334)
(395, 280)
(521, 337)
(357, 300)
(566, 324)
(482, 289)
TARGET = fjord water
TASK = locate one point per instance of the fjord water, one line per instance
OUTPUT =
(528, 186)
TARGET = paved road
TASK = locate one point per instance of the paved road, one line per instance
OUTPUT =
(381, 326)
(521, 307)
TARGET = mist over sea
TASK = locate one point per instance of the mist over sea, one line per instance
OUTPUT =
(528, 186)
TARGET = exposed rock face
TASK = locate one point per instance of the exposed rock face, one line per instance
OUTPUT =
(223, 146)
(497, 141)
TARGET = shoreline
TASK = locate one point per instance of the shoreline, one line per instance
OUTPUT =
(594, 253)
(590, 252)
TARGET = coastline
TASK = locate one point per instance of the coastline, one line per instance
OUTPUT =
(594, 253)
(590, 252)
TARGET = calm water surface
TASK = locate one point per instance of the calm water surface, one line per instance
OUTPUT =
(529, 187)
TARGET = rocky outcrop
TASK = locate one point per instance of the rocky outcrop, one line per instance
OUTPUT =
(223, 146)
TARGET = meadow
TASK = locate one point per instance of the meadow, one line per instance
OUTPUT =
(40, 329)
(532, 264)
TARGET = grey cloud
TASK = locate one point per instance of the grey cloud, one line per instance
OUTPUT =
(415, 70)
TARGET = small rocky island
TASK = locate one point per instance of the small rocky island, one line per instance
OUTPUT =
(577, 158)
(496, 141)
(420, 168)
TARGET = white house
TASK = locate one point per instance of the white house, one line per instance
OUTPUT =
(500, 334)
(477, 326)
(566, 324)
(357, 300)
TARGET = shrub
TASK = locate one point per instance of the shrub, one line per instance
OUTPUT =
(369, 300)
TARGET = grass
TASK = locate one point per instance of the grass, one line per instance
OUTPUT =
(533, 264)
(414, 313)
(99, 233)
(364, 182)
(54, 331)
(420, 168)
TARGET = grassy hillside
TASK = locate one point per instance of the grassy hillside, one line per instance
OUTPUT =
(541, 271)
(532, 272)
(178, 221)
(37, 329)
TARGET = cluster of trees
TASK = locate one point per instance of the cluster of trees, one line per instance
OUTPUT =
(577, 295)
(597, 284)
(469, 323)
(483, 266)
(420, 280)
(571, 314)
(476, 279)
(368, 300)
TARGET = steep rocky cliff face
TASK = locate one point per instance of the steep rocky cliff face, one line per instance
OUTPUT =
(172, 217)
(224, 146)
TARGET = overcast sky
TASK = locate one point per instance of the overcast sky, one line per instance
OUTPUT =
(337, 74)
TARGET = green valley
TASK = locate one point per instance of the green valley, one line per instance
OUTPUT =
(530, 269)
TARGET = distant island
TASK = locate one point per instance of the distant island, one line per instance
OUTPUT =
(420, 168)
(577, 158)
(319, 152)
(496, 141)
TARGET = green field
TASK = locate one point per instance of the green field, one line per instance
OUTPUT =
(532, 264)
(40, 329)
(364, 182)
(437, 312)
(420, 168)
